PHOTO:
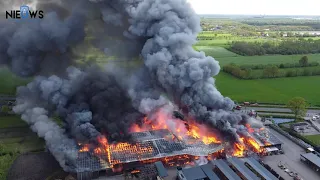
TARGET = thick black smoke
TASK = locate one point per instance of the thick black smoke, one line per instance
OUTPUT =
(92, 101)
(40, 46)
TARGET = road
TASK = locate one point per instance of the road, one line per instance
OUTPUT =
(282, 110)
(291, 159)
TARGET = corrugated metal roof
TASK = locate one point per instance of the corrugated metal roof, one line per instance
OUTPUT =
(273, 139)
(193, 173)
(162, 171)
(208, 170)
(313, 158)
(244, 170)
(260, 169)
(226, 170)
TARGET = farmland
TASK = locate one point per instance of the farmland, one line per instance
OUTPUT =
(226, 57)
(278, 90)
(217, 39)
(15, 138)
(9, 82)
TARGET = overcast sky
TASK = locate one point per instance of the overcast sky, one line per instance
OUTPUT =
(257, 7)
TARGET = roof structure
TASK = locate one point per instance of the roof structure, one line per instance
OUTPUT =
(162, 171)
(150, 145)
(264, 137)
(208, 170)
(244, 170)
(194, 173)
(312, 158)
(260, 169)
(226, 170)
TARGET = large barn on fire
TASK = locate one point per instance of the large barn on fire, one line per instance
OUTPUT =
(148, 147)
(267, 141)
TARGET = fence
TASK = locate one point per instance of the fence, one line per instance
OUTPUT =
(294, 139)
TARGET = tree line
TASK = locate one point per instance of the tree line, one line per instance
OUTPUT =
(272, 71)
(286, 47)
(302, 63)
(283, 22)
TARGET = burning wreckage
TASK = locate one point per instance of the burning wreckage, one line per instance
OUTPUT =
(148, 146)
(156, 141)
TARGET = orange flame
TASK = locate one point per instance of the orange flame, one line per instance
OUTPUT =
(85, 148)
(178, 127)
(239, 148)
(254, 145)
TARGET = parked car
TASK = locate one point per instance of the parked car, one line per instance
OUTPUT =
(238, 107)
(291, 174)
(287, 170)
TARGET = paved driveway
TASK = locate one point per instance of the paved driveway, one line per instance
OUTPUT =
(291, 159)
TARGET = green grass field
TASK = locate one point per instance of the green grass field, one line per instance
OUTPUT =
(314, 138)
(278, 90)
(225, 42)
(225, 56)
(216, 52)
(9, 82)
(11, 121)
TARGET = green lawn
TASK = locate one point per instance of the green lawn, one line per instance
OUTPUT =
(278, 90)
(225, 56)
(9, 82)
(314, 138)
(272, 59)
(11, 121)
(224, 41)
(216, 52)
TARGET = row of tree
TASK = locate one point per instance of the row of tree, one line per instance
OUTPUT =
(315, 24)
(271, 71)
(303, 62)
(286, 47)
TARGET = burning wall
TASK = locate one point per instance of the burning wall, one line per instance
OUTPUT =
(96, 102)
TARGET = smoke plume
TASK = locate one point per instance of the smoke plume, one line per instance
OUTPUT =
(94, 101)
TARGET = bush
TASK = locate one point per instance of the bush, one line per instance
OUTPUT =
(290, 73)
(5, 109)
(307, 72)
(237, 71)
(304, 61)
(312, 64)
(286, 47)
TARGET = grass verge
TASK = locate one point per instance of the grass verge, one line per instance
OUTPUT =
(314, 139)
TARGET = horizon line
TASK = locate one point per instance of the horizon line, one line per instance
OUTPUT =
(258, 14)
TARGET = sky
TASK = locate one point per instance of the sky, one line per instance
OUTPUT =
(257, 7)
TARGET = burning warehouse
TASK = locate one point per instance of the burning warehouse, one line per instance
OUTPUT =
(265, 140)
(148, 147)
(110, 115)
